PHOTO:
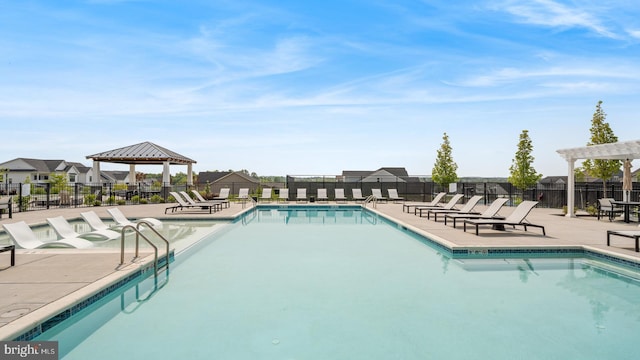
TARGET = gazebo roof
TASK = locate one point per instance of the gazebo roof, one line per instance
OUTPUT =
(146, 153)
(618, 150)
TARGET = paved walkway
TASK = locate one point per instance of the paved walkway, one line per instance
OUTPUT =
(45, 281)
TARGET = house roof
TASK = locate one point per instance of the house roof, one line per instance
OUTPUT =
(211, 176)
(143, 153)
(37, 165)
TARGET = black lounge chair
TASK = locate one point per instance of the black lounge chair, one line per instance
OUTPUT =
(490, 213)
(518, 217)
(633, 234)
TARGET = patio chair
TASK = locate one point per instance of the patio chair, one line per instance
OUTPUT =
(322, 196)
(393, 195)
(301, 195)
(283, 195)
(223, 195)
(121, 220)
(23, 236)
(266, 195)
(517, 217)
(466, 209)
(6, 203)
(377, 193)
(436, 200)
(417, 210)
(490, 213)
(356, 195)
(633, 234)
(339, 196)
(243, 195)
(606, 207)
(65, 230)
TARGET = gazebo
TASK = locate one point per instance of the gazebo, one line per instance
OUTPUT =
(145, 153)
(613, 151)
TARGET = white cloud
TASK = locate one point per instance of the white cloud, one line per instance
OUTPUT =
(554, 14)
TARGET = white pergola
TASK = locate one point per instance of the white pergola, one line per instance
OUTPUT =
(614, 151)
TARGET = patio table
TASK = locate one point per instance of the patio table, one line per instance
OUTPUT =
(627, 207)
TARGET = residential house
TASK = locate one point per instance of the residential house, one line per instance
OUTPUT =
(234, 180)
(38, 171)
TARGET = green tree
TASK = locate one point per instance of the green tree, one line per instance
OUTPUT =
(522, 174)
(58, 181)
(601, 133)
(444, 170)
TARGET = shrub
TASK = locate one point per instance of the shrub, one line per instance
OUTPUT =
(144, 201)
(121, 202)
(156, 199)
(111, 200)
(89, 199)
(135, 199)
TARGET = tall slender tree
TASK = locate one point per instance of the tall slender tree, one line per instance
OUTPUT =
(444, 169)
(522, 174)
(601, 133)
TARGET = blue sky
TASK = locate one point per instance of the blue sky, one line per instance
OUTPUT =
(316, 87)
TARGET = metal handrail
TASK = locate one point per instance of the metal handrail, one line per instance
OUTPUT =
(370, 199)
(136, 229)
(249, 197)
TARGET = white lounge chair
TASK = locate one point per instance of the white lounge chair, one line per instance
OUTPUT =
(95, 222)
(435, 202)
(322, 195)
(393, 195)
(356, 195)
(283, 195)
(448, 206)
(517, 217)
(301, 195)
(211, 205)
(122, 220)
(633, 234)
(266, 195)
(23, 236)
(222, 198)
(490, 213)
(377, 193)
(339, 196)
(65, 230)
(466, 209)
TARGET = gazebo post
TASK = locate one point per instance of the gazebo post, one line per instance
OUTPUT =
(96, 172)
(132, 175)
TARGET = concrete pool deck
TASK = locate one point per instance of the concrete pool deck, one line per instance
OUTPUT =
(45, 281)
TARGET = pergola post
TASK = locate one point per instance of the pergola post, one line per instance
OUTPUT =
(571, 185)
(189, 175)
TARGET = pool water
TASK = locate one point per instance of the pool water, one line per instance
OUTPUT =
(333, 284)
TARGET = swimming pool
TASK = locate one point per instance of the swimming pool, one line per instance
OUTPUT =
(347, 284)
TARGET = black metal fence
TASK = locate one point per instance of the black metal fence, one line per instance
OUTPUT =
(28, 197)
